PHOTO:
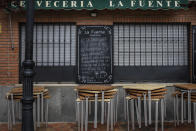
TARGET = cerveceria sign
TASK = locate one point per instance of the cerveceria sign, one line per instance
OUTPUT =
(106, 4)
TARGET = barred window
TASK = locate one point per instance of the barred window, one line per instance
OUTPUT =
(54, 51)
(150, 45)
(53, 44)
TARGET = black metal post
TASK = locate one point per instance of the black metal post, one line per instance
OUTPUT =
(28, 71)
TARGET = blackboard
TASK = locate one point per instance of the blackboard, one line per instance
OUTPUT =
(95, 54)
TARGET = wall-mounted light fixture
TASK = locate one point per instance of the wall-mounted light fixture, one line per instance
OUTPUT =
(93, 14)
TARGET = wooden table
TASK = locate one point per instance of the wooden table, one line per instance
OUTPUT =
(149, 88)
(186, 88)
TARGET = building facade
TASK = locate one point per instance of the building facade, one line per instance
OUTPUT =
(146, 45)
(81, 45)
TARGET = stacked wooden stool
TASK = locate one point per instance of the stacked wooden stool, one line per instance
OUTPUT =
(40, 105)
(105, 94)
(187, 94)
(146, 93)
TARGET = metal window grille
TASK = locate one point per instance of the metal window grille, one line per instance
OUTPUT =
(150, 45)
(53, 44)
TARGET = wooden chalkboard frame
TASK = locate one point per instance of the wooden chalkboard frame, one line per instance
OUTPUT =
(109, 28)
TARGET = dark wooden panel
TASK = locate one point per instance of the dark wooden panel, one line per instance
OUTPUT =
(151, 74)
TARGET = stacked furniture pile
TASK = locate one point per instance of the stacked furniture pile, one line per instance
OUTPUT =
(187, 95)
(40, 105)
(105, 94)
(146, 93)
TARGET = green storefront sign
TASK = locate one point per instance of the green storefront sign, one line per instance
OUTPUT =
(106, 4)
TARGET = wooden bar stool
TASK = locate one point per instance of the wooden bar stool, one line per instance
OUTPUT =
(142, 95)
(14, 97)
(96, 93)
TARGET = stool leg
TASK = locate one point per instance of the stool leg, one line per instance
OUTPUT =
(9, 116)
(117, 99)
(185, 110)
(86, 118)
(46, 114)
(42, 107)
(149, 106)
(13, 112)
(140, 115)
(145, 111)
(34, 115)
(124, 98)
(162, 114)
(102, 108)
(38, 110)
(108, 117)
(82, 115)
(111, 104)
(137, 112)
(128, 114)
(156, 116)
(182, 103)
(132, 114)
(78, 115)
(175, 110)
(194, 104)
(95, 117)
(89, 107)
(189, 106)
(165, 108)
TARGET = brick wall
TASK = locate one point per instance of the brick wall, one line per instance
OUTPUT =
(9, 58)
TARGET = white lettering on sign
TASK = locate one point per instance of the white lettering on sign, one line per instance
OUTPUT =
(150, 3)
(177, 4)
(22, 3)
(89, 4)
(120, 4)
(132, 3)
(111, 4)
(39, 3)
(65, 4)
(56, 4)
(159, 4)
(168, 3)
(48, 3)
(108, 4)
(73, 4)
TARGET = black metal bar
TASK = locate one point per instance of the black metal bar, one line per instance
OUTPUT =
(145, 52)
(36, 46)
(118, 44)
(28, 72)
(151, 44)
(42, 61)
(156, 47)
(53, 44)
(123, 45)
(162, 43)
(129, 44)
(70, 44)
(167, 48)
(173, 41)
(178, 45)
(64, 41)
(59, 45)
(140, 45)
(134, 46)
(48, 45)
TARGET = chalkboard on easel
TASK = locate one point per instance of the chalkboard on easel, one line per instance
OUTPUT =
(95, 54)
